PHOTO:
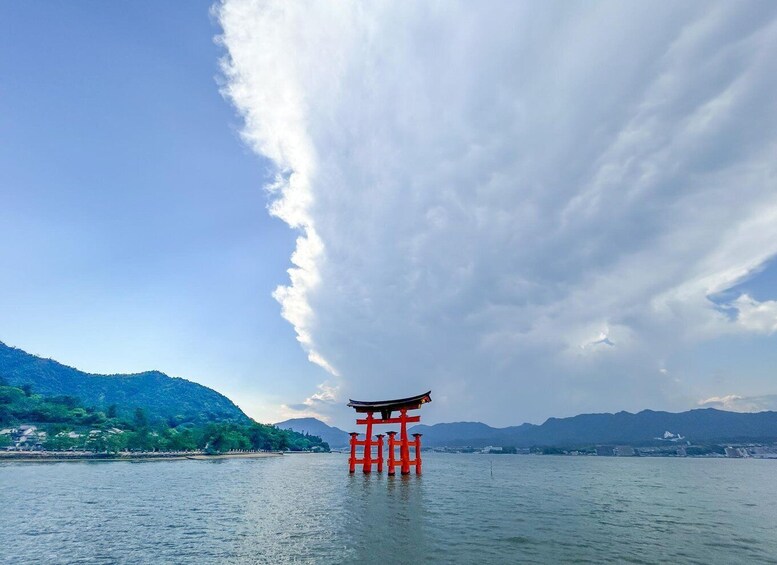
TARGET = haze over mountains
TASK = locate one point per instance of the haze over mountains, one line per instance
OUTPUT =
(164, 397)
(646, 427)
(335, 437)
(161, 396)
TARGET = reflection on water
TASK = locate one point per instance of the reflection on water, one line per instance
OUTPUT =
(385, 519)
(308, 509)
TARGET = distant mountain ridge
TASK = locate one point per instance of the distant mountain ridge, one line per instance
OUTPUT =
(707, 424)
(161, 396)
(642, 428)
(164, 397)
(335, 437)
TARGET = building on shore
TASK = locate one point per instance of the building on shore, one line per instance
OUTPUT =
(736, 452)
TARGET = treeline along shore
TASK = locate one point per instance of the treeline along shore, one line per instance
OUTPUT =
(43, 456)
(37, 427)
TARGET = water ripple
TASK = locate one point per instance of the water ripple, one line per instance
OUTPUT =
(307, 509)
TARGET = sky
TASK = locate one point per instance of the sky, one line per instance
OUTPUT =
(532, 209)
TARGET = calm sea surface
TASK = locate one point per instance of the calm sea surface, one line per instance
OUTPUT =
(307, 509)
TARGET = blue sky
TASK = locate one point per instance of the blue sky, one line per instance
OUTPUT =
(533, 210)
(132, 216)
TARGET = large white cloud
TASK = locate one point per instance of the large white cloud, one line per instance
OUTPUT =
(525, 207)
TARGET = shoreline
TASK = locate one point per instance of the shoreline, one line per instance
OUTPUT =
(71, 457)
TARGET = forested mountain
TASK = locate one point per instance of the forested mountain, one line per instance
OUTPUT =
(160, 396)
(30, 421)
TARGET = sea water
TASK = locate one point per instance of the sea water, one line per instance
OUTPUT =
(464, 509)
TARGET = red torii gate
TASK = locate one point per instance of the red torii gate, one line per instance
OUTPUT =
(386, 407)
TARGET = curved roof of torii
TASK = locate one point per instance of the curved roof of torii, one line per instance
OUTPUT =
(410, 403)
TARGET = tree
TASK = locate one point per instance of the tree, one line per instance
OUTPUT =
(140, 440)
(182, 441)
(79, 414)
(139, 420)
(283, 440)
(60, 442)
(226, 437)
(115, 442)
(68, 401)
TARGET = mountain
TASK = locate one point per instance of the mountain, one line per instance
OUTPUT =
(335, 437)
(705, 424)
(702, 425)
(475, 434)
(160, 396)
(643, 428)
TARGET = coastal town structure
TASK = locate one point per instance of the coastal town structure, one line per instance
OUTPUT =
(25, 436)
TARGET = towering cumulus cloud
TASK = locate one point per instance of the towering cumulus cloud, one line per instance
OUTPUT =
(531, 208)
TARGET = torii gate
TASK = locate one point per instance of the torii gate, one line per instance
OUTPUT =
(386, 407)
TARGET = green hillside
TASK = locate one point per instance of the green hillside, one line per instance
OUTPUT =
(31, 421)
(160, 396)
